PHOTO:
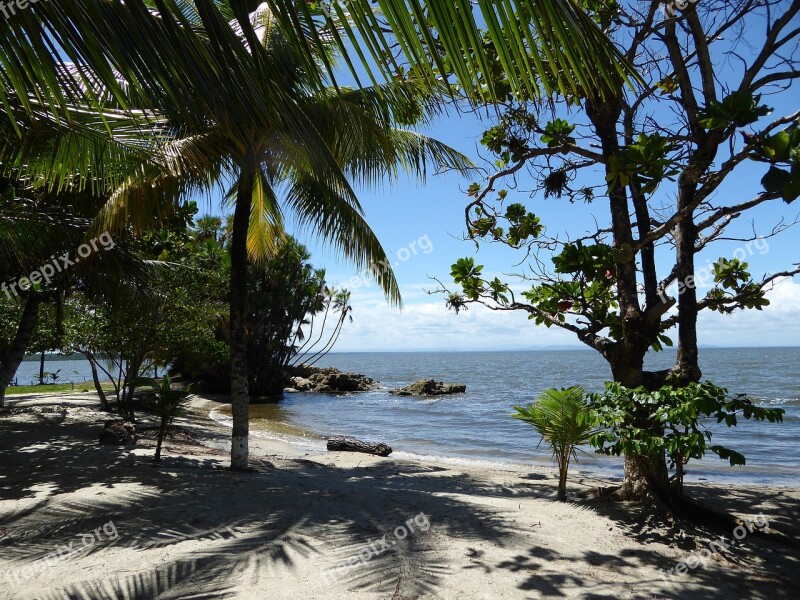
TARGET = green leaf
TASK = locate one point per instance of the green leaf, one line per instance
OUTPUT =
(775, 180)
(734, 457)
(736, 110)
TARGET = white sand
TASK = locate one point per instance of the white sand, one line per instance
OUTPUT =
(328, 525)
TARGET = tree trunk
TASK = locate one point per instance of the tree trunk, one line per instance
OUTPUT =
(10, 360)
(133, 367)
(687, 367)
(104, 405)
(563, 468)
(41, 368)
(162, 432)
(351, 444)
(238, 312)
(645, 476)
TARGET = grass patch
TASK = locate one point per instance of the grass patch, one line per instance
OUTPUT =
(52, 388)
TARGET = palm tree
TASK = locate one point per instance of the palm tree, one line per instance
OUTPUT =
(295, 155)
(242, 102)
(165, 402)
(208, 227)
(144, 48)
(338, 301)
(560, 417)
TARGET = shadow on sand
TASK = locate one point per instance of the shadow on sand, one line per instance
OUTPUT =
(62, 485)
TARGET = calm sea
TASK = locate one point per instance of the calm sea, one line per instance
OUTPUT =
(477, 427)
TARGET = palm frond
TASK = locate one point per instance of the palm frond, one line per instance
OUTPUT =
(266, 221)
(341, 223)
(170, 50)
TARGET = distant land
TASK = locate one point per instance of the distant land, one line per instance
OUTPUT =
(550, 348)
(54, 356)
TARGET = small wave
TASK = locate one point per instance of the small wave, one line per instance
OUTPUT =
(782, 401)
(216, 415)
(433, 400)
(467, 462)
(306, 441)
(311, 443)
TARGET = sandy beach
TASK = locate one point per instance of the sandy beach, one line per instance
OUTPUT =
(80, 520)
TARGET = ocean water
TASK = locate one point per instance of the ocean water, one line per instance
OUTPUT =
(76, 370)
(69, 371)
(477, 426)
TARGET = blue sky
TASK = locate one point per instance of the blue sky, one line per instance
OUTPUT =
(420, 225)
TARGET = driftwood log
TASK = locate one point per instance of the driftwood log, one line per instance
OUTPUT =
(351, 444)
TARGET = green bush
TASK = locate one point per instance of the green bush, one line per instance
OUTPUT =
(676, 414)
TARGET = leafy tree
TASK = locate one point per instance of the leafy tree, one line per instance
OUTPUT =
(286, 297)
(178, 311)
(30, 236)
(121, 343)
(561, 418)
(288, 313)
(649, 162)
(227, 90)
(39, 265)
(669, 421)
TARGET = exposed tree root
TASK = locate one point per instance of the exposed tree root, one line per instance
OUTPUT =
(675, 512)
(600, 493)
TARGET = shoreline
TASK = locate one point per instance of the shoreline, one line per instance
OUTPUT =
(343, 525)
(308, 443)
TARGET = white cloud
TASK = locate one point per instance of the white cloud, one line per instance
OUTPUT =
(776, 325)
(426, 324)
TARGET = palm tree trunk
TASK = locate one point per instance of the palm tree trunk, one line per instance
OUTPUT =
(238, 307)
(104, 405)
(9, 361)
(563, 467)
(162, 432)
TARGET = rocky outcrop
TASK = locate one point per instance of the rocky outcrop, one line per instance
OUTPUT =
(118, 433)
(328, 379)
(429, 387)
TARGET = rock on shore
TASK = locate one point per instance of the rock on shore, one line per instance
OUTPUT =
(329, 379)
(429, 387)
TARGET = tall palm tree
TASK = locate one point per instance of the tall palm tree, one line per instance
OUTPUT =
(241, 105)
(290, 151)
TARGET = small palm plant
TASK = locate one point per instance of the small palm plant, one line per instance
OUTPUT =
(561, 417)
(166, 403)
